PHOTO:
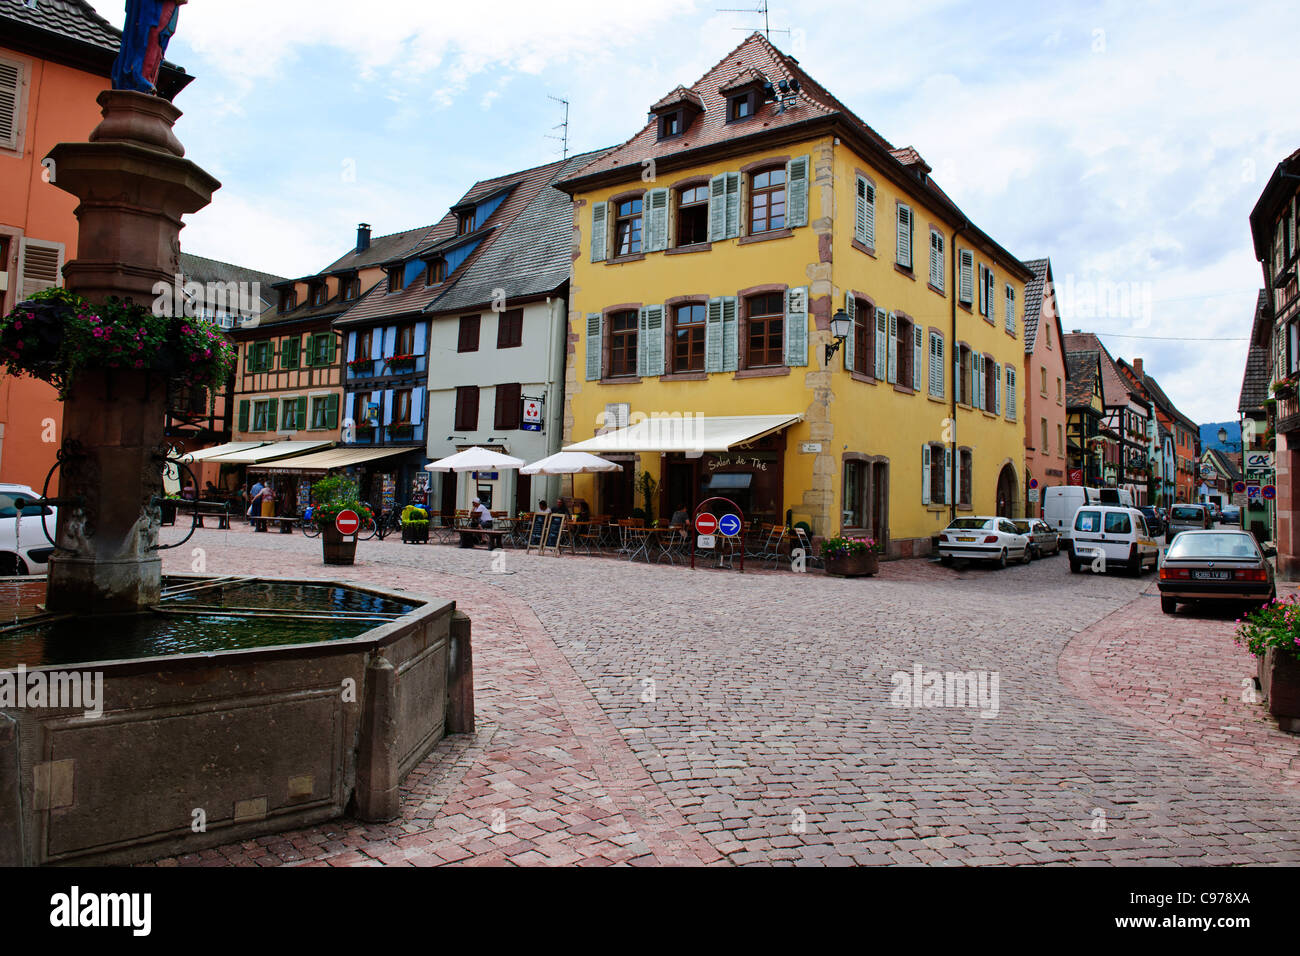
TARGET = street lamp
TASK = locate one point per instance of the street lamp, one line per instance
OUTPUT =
(840, 326)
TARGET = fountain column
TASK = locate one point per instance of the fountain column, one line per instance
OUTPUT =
(134, 185)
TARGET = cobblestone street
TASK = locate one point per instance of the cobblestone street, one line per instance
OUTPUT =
(654, 715)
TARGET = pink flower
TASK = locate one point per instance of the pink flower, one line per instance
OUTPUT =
(139, 363)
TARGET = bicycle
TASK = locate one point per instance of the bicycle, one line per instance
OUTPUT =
(389, 522)
(307, 523)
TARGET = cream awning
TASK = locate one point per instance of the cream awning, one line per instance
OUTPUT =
(216, 451)
(687, 433)
(268, 452)
(336, 458)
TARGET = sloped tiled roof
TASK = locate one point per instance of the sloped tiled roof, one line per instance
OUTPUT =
(908, 156)
(1259, 366)
(1115, 389)
(1223, 464)
(1082, 368)
(532, 255)
(1034, 300)
(201, 269)
(679, 95)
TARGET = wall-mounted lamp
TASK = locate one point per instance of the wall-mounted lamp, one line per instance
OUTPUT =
(840, 326)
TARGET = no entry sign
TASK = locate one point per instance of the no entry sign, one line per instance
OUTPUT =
(729, 525)
(706, 523)
(347, 522)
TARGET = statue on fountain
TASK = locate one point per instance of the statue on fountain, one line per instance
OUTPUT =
(148, 29)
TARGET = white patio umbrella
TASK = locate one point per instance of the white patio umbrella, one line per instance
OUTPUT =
(474, 459)
(569, 463)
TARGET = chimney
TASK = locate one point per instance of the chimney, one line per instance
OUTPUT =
(1137, 367)
(363, 237)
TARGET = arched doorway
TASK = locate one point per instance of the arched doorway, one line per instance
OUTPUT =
(1008, 492)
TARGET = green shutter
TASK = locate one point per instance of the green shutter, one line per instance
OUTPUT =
(796, 177)
(850, 307)
(599, 228)
(730, 334)
(302, 412)
(290, 349)
(713, 337)
(243, 415)
(593, 345)
(796, 326)
(272, 406)
(332, 410)
(333, 350)
(718, 208)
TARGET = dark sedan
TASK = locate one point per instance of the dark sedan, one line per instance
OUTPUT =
(1215, 566)
(1155, 521)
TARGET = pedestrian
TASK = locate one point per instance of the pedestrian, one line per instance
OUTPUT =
(254, 490)
(542, 508)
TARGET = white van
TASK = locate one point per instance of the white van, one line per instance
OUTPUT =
(1117, 536)
(1062, 502)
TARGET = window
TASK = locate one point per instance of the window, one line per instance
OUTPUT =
(670, 125)
(402, 406)
(854, 483)
(965, 375)
(322, 349)
(936, 259)
(904, 243)
(510, 329)
(1059, 393)
(622, 343)
(987, 285)
(436, 272)
(903, 347)
(467, 408)
(937, 478)
(465, 223)
(260, 357)
(1060, 440)
(692, 215)
(688, 338)
(936, 364)
(1042, 375)
(1045, 445)
(349, 288)
(864, 339)
(965, 276)
(318, 293)
(264, 415)
(627, 227)
(1117, 522)
(864, 220)
(365, 344)
(288, 300)
(11, 104)
(467, 341)
(767, 201)
(508, 406)
(396, 279)
(1011, 393)
(362, 413)
(990, 384)
(965, 460)
(740, 107)
(766, 330)
(1048, 329)
(295, 413)
(324, 412)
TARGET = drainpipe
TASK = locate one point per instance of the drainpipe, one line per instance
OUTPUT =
(952, 340)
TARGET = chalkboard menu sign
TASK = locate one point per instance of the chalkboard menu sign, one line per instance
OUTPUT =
(536, 531)
(554, 525)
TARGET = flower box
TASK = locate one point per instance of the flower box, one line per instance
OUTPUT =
(362, 366)
(401, 431)
(852, 565)
(401, 363)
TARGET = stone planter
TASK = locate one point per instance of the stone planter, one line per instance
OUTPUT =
(335, 548)
(1279, 678)
(853, 565)
(415, 532)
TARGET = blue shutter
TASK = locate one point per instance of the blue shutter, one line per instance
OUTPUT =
(713, 337)
(599, 227)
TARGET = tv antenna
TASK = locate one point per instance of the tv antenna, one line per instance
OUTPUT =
(563, 127)
(762, 9)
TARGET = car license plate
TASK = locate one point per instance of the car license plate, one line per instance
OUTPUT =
(965, 539)
(1212, 575)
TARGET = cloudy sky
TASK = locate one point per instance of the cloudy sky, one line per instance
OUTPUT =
(1126, 141)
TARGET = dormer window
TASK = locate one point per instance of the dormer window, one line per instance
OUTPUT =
(396, 279)
(318, 293)
(740, 107)
(349, 288)
(288, 299)
(670, 125)
(465, 223)
(436, 272)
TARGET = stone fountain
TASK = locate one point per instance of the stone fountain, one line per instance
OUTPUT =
(229, 706)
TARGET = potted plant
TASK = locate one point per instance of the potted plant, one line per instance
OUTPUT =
(851, 557)
(1283, 389)
(362, 366)
(401, 430)
(335, 494)
(167, 506)
(1272, 634)
(401, 363)
(415, 525)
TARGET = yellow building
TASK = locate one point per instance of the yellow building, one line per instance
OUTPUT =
(712, 251)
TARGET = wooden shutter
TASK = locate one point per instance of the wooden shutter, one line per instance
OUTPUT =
(947, 475)
(651, 356)
(870, 216)
(599, 231)
(332, 411)
(656, 220)
(10, 88)
(713, 336)
(332, 348)
(796, 180)
(594, 322)
(1011, 309)
(905, 236)
(301, 412)
(272, 410)
(925, 474)
(997, 389)
(918, 356)
(733, 205)
(796, 326)
(936, 364)
(851, 307)
(956, 373)
(718, 208)
(1011, 393)
(967, 274)
(468, 336)
(289, 350)
(936, 259)
(730, 334)
(243, 414)
(977, 380)
(892, 345)
(882, 348)
(40, 266)
(860, 210)
(507, 411)
(956, 479)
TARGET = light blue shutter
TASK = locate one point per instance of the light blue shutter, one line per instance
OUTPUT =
(652, 340)
(388, 406)
(925, 474)
(870, 215)
(957, 384)
(936, 259)
(997, 389)
(882, 351)
(594, 345)
(947, 475)
(1011, 393)
(860, 210)
(599, 227)
(966, 279)
(918, 355)
(421, 334)
(796, 178)
(656, 228)
(1011, 310)
(730, 335)
(956, 479)
(417, 405)
(796, 326)
(905, 236)
(851, 307)
(733, 205)
(977, 380)
(892, 345)
(713, 337)
(377, 344)
(352, 346)
(718, 208)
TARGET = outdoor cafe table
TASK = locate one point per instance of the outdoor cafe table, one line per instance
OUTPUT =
(641, 541)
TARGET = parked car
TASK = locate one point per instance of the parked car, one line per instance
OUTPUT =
(1215, 566)
(24, 549)
(1156, 523)
(1187, 517)
(1118, 536)
(1042, 539)
(1062, 502)
(1230, 514)
(983, 539)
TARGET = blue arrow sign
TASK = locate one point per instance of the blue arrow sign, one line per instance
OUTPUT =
(729, 525)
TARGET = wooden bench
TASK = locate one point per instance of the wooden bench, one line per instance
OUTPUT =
(496, 537)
